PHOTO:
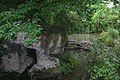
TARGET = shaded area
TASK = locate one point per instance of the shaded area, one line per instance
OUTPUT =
(26, 75)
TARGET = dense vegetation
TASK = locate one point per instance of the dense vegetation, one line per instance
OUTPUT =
(105, 61)
(69, 61)
(67, 17)
(104, 17)
(54, 16)
(51, 16)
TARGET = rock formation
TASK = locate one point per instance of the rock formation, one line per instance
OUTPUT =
(35, 56)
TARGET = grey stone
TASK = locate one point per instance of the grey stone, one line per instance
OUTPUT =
(19, 60)
(51, 74)
(16, 59)
(84, 45)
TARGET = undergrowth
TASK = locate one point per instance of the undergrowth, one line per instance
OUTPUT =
(68, 61)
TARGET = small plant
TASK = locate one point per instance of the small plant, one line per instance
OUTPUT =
(68, 62)
(109, 37)
(103, 35)
(113, 33)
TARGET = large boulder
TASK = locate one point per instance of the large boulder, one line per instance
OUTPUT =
(16, 58)
(33, 57)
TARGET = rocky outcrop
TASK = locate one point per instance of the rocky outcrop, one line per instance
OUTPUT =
(16, 58)
(50, 74)
(82, 45)
(45, 44)
(35, 56)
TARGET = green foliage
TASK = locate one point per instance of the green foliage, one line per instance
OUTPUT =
(14, 21)
(117, 48)
(103, 35)
(109, 37)
(68, 62)
(105, 63)
(113, 33)
(51, 16)
(110, 41)
(104, 17)
(68, 21)
(34, 16)
(9, 76)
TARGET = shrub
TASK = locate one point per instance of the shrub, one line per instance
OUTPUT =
(110, 41)
(103, 35)
(104, 17)
(105, 63)
(113, 33)
(109, 37)
(68, 62)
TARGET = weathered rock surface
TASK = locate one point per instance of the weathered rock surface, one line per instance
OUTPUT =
(45, 44)
(53, 74)
(18, 58)
(45, 61)
(84, 45)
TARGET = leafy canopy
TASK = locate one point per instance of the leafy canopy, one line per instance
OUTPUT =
(34, 16)
(104, 17)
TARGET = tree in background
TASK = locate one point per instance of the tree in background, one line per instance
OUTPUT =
(105, 17)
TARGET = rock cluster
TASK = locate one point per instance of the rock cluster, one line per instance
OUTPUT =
(84, 45)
